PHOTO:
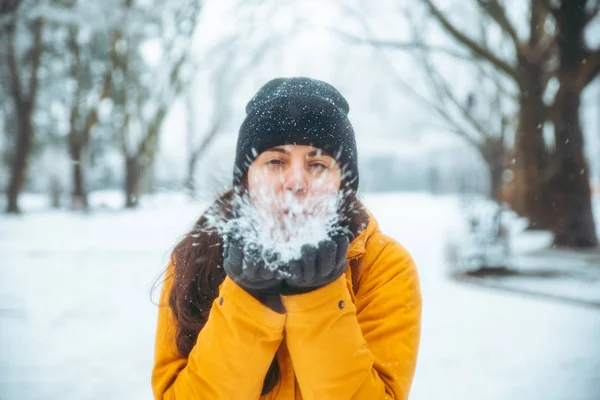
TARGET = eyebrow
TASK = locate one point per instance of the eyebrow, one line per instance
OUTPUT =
(313, 153)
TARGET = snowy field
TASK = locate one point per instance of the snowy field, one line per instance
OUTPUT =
(77, 319)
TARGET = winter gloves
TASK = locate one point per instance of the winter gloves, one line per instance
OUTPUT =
(248, 264)
(317, 267)
(245, 265)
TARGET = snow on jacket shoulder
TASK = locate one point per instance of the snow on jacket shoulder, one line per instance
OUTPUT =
(332, 343)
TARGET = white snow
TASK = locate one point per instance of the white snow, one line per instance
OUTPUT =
(282, 234)
(77, 320)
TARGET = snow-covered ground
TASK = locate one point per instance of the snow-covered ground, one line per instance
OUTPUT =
(77, 319)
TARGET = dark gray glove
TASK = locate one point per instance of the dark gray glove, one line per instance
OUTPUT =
(318, 266)
(245, 265)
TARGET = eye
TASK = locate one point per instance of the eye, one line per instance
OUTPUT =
(274, 164)
(318, 166)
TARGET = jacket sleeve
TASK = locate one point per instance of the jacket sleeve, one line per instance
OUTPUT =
(232, 354)
(366, 350)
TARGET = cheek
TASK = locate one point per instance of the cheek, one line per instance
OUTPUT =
(328, 184)
(263, 188)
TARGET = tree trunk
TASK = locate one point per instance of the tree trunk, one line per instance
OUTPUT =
(24, 104)
(569, 184)
(493, 153)
(197, 153)
(18, 170)
(79, 200)
(132, 181)
(77, 140)
(143, 159)
(190, 182)
(531, 152)
(55, 192)
(496, 171)
(573, 225)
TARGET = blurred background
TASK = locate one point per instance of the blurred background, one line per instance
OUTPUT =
(478, 129)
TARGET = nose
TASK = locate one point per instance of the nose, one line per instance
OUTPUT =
(295, 180)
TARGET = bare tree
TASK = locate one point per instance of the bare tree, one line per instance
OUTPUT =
(197, 142)
(84, 117)
(568, 173)
(540, 175)
(227, 69)
(197, 148)
(554, 187)
(8, 125)
(23, 95)
(144, 95)
(482, 117)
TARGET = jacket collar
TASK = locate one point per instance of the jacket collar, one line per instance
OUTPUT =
(358, 245)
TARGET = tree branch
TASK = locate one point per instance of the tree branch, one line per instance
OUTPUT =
(589, 69)
(173, 64)
(540, 9)
(439, 109)
(502, 89)
(392, 44)
(593, 13)
(447, 97)
(148, 144)
(8, 6)
(125, 136)
(473, 46)
(439, 106)
(545, 4)
(74, 138)
(443, 88)
(171, 89)
(92, 116)
(15, 79)
(398, 81)
(497, 12)
(207, 139)
(542, 50)
(35, 57)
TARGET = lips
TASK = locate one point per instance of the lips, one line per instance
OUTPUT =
(289, 213)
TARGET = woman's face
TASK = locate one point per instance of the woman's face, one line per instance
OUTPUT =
(293, 175)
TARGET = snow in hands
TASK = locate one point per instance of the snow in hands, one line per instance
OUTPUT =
(279, 226)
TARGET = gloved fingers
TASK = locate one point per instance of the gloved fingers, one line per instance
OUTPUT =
(233, 269)
(233, 232)
(342, 248)
(249, 271)
(309, 259)
(270, 265)
(339, 268)
(266, 271)
(252, 261)
(261, 265)
(233, 259)
(326, 258)
(294, 271)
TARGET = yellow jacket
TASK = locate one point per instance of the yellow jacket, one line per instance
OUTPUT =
(331, 343)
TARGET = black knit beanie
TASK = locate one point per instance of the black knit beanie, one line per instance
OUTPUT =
(300, 111)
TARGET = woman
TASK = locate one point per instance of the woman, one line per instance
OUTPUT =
(338, 320)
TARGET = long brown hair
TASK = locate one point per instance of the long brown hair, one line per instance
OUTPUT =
(198, 273)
